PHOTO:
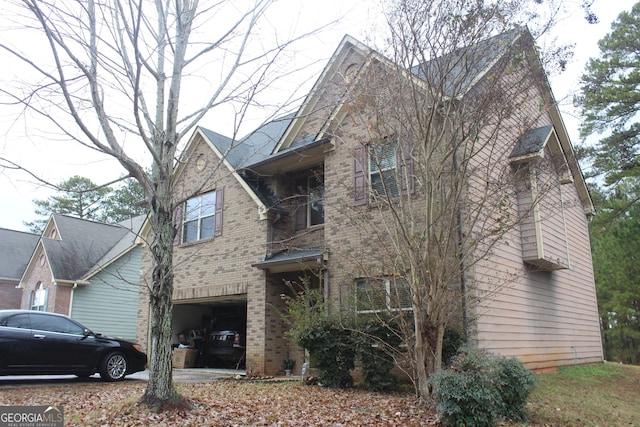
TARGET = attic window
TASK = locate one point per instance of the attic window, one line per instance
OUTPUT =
(350, 73)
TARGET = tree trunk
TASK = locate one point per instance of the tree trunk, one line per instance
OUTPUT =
(160, 386)
(428, 352)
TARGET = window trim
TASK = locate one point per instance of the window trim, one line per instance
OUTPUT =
(377, 160)
(403, 171)
(387, 282)
(303, 210)
(181, 212)
(39, 298)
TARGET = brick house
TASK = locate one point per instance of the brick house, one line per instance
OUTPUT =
(283, 202)
(87, 270)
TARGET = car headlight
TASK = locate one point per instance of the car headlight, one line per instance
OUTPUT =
(138, 348)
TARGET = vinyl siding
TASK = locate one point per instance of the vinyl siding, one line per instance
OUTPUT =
(546, 318)
(109, 304)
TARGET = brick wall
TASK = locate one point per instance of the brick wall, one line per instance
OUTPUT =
(59, 297)
(10, 297)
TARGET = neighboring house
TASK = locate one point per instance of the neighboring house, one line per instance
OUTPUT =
(87, 270)
(280, 204)
(16, 248)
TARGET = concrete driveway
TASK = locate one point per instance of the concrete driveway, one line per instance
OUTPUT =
(179, 376)
(194, 375)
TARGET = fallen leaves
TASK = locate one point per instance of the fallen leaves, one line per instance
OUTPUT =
(227, 403)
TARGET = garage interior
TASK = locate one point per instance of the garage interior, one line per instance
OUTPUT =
(216, 328)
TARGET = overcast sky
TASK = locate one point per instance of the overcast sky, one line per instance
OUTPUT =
(58, 162)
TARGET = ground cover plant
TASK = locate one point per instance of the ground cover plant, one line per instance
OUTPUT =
(603, 395)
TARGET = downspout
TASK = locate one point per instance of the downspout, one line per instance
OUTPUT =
(463, 280)
(463, 277)
(73, 291)
(325, 276)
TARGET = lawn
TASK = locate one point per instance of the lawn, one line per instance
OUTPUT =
(602, 395)
(597, 395)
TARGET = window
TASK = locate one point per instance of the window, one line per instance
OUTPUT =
(377, 294)
(17, 321)
(202, 217)
(310, 209)
(382, 169)
(39, 298)
(43, 322)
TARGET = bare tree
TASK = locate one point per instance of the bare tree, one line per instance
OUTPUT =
(442, 190)
(129, 76)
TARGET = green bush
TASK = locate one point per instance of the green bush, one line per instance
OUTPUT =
(375, 344)
(451, 343)
(515, 384)
(333, 352)
(479, 387)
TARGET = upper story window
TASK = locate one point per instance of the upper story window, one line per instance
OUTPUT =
(310, 209)
(202, 217)
(382, 294)
(381, 170)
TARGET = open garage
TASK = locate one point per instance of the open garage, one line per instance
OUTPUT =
(216, 328)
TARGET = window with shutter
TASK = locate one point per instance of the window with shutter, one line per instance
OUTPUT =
(39, 299)
(383, 169)
(202, 217)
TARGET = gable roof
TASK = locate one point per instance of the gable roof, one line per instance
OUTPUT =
(253, 148)
(124, 245)
(532, 142)
(16, 248)
(458, 71)
(82, 244)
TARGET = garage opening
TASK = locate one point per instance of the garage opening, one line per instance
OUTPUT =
(216, 328)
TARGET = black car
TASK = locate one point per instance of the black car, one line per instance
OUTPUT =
(227, 346)
(40, 343)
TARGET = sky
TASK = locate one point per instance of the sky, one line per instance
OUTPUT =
(56, 162)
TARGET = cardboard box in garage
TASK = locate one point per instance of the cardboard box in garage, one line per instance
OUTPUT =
(184, 357)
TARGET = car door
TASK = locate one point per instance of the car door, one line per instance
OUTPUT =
(15, 343)
(61, 345)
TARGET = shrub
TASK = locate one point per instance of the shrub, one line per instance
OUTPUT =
(333, 352)
(479, 387)
(375, 344)
(451, 343)
(515, 384)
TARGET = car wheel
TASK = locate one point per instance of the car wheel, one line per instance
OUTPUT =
(113, 367)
